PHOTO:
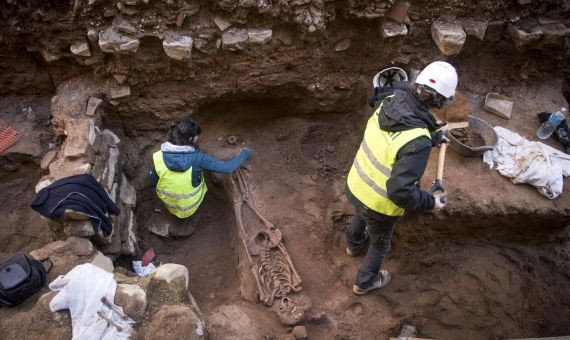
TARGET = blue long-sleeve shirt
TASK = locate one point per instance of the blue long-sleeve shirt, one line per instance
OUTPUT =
(181, 158)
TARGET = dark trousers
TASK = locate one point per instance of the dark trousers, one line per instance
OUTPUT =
(380, 229)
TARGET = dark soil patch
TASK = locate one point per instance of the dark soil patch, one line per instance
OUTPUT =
(468, 136)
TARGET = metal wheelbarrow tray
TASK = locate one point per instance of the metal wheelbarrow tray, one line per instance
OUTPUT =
(485, 130)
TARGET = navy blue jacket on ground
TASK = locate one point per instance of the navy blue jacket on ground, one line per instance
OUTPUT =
(80, 193)
(181, 157)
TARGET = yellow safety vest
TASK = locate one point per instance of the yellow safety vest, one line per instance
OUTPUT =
(373, 164)
(175, 189)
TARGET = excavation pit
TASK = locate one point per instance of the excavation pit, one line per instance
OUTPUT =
(493, 264)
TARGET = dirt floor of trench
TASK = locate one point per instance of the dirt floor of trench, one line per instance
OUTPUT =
(447, 283)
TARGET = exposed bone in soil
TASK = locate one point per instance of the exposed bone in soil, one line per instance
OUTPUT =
(468, 136)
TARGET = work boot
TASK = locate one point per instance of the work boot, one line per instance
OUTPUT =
(382, 280)
(354, 253)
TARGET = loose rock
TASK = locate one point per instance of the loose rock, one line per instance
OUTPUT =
(392, 29)
(342, 45)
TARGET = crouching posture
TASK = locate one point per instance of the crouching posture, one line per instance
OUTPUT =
(178, 169)
(384, 179)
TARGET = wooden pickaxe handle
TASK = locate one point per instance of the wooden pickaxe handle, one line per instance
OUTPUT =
(438, 185)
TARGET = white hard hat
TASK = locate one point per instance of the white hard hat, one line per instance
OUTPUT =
(440, 76)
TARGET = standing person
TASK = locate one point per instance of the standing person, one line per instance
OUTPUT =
(178, 167)
(384, 179)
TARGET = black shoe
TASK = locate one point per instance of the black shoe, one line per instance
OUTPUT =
(354, 253)
(382, 280)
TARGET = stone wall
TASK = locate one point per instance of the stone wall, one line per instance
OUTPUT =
(178, 56)
(88, 149)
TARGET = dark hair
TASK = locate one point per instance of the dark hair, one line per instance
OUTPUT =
(182, 132)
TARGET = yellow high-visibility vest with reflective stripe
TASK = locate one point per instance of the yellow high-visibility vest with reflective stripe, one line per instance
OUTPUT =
(373, 164)
(175, 189)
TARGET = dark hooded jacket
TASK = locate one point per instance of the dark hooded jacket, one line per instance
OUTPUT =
(403, 112)
(80, 193)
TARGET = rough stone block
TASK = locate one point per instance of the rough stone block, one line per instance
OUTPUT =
(161, 230)
(120, 92)
(222, 22)
(178, 48)
(123, 26)
(393, 29)
(64, 167)
(66, 254)
(111, 41)
(110, 133)
(129, 244)
(103, 262)
(259, 35)
(92, 106)
(92, 35)
(80, 48)
(111, 169)
(43, 183)
(234, 39)
(448, 37)
(168, 284)
(48, 158)
(127, 193)
(113, 192)
(80, 136)
(132, 299)
(475, 28)
(79, 228)
(524, 38)
(176, 322)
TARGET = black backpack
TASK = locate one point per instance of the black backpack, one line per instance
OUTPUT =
(20, 277)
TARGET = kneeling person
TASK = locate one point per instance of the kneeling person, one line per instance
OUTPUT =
(178, 167)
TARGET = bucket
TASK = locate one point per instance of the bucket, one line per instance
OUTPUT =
(485, 130)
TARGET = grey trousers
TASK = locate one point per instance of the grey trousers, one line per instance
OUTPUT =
(380, 229)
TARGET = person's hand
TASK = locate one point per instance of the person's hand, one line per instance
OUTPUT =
(438, 137)
(440, 200)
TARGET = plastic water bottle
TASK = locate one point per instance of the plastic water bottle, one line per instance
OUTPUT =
(547, 128)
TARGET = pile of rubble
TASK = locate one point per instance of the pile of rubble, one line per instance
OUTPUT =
(160, 303)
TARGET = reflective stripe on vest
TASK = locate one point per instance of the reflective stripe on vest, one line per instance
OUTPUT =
(175, 189)
(373, 165)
